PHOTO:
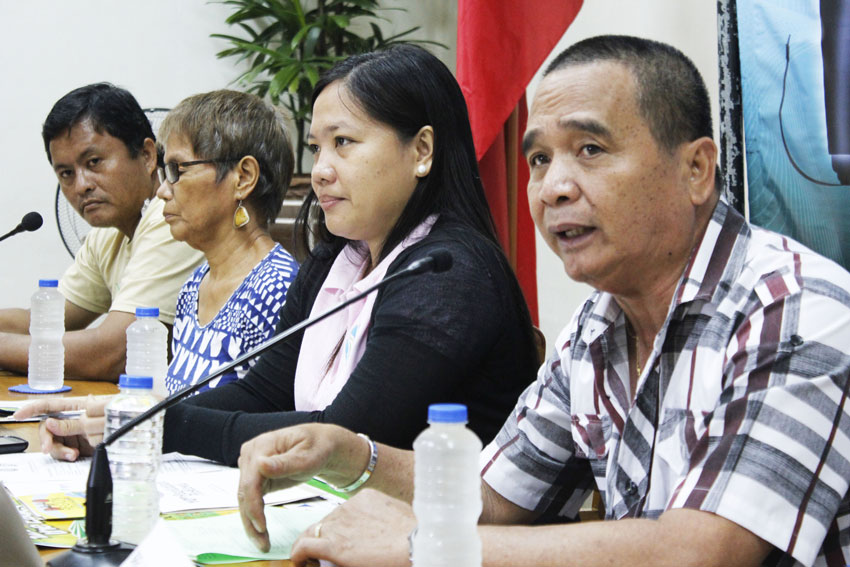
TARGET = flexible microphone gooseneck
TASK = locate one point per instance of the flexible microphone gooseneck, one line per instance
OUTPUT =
(31, 221)
(98, 550)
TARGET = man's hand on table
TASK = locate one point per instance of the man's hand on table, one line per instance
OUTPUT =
(370, 530)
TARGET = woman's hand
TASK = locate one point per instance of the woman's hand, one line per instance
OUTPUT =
(370, 530)
(290, 456)
(68, 439)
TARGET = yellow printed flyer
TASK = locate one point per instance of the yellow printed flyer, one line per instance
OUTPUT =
(57, 505)
(42, 533)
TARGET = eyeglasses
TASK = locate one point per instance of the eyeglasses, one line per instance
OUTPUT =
(171, 170)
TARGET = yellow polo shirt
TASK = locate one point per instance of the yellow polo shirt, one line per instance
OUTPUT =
(114, 273)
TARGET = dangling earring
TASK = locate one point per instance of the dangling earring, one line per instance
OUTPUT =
(421, 169)
(241, 216)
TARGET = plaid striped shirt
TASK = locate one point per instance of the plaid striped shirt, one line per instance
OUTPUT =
(740, 411)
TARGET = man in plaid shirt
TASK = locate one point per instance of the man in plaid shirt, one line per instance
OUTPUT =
(702, 389)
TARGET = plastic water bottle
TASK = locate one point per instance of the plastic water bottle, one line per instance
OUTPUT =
(147, 348)
(447, 491)
(46, 362)
(134, 460)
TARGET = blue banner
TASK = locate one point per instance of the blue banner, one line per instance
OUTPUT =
(795, 77)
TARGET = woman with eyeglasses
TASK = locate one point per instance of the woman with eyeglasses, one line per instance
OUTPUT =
(395, 178)
(228, 163)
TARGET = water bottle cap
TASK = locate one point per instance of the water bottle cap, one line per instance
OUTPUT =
(48, 283)
(142, 382)
(147, 311)
(447, 413)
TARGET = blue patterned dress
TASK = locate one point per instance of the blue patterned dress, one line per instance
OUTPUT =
(247, 319)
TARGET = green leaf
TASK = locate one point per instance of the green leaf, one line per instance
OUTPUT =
(231, 38)
(251, 76)
(312, 74)
(293, 85)
(282, 80)
(258, 49)
(362, 4)
(259, 64)
(312, 39)
(376, 32)
(299, 11)
(296, 39)
(341, 21)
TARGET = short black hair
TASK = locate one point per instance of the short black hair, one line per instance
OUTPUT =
(406, 88)
(671, 95)
(109, 108)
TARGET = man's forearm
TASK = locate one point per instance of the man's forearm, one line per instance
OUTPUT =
(14, 351)
(678, 539)
(94, 354)
(15, 321)
(87, 356)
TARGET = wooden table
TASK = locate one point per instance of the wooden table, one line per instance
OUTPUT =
(29, 431)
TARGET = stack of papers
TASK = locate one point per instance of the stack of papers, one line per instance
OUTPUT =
(55, 490)
(197, 495)
(221, 539)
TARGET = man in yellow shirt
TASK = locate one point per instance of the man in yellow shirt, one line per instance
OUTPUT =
(103, 151)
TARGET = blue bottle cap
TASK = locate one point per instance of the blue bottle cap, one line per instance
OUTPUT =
(147, 311)
(48, 283)
(447, 413)
(142, 382)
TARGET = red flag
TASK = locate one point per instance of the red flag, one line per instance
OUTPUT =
(500, 45)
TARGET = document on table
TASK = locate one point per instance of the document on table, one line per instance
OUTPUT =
(159, 548)
(217, 490)
(38, 530)
(221, 539)
(38, 467)
(62, 500)
(50, 487)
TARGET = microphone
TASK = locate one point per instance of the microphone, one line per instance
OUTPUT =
(98, 550)
(31, 221)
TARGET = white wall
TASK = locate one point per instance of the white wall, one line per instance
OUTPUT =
(690, 25)
(436, 20)
(161, 51)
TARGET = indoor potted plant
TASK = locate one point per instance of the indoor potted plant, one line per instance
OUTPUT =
(288, 43)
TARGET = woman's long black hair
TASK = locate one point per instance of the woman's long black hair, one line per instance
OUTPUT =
(406, 88)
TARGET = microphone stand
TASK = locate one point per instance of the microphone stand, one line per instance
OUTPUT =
(98, 550)
(12, 232)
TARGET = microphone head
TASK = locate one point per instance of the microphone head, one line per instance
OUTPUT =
(442, 260)
(31, 221)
